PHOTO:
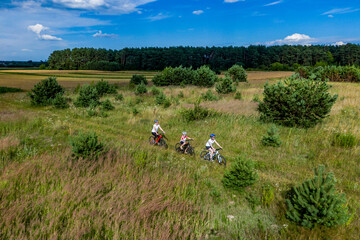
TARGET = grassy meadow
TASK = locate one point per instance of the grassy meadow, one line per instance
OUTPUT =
(138, 191)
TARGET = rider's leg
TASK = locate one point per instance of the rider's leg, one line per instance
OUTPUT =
(211, 153)
(182, 145)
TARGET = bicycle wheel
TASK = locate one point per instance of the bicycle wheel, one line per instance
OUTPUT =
(152, 140)
(177, 147)
(191, 151)
(222, 160)
(162, 143)
(204, 155)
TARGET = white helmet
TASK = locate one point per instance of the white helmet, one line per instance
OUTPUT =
(184, 133)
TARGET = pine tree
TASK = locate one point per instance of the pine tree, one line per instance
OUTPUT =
(272, 138)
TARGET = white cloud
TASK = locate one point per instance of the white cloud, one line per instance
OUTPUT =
(198, 12)
(83, 4)
(49, 37)
(104, 35)
(159, 16)
(38, 28)
(26, 50)
(233, 1)
(340, 43)
(330, 16)
(340, 11)
(294, 39)
(272, 3)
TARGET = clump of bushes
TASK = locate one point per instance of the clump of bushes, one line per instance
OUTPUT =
(104, 87)
(331, 73)
(88, 96)
(181, 94)
(316, 202)
(140, 89)
(138, 79)
(119, 97)
(107, 106)
(241, 174)
(209, 96)
(346, 140)
(238, 96)
(86, 145)
(45, 91)
(272, 138)
(204, 77)
(296, 102)
(196, 113)
(225, 86)
(60, 101)
(161, 99)
(237, 73)
(155, 91)
(9, 90)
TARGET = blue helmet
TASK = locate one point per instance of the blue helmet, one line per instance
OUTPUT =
(156, 121)
(212, 135)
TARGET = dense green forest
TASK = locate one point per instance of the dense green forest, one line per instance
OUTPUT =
(218, 58)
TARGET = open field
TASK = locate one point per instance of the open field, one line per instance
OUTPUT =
(146, 192)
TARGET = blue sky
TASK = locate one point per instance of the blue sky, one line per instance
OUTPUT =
(32, 29)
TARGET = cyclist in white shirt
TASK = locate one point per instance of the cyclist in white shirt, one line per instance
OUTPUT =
(155, 128)
(209, 145)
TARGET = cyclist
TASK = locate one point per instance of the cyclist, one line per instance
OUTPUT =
(154, 131)
(183, 141)
(209, 145)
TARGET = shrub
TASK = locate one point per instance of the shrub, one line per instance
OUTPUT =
(9, 90)
(103, 87)
(296, 102)
(196, 113)
(174, 76)
(60, 102)
(272, 138)
(316, 202)
(237, 73)
(86, 145)
(88, 96)
(160, 98)
(181, 94)
(42, 66)
(276, 66)
(155, 91)
(238, 96)
(344, 140)
(138, 79)
(45, 91)
(331, 73)
(135, 111)
(140, 89)
(204, 77)
(241, 174)
(209, 96)
(167, 103)
(119, 97)
(225, 86)
(107, 106)
(91, 112)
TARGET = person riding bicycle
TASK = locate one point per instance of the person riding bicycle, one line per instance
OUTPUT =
(183, 142)
(209, 145)
(154, 130)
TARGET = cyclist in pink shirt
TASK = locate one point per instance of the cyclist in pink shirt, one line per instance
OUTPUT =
(183, 139)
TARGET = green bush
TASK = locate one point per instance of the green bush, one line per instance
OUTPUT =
(296, 102)
(119, 97)
(167, 103)
(42, 66)
(88, 96)
(91, 112)
(209, 96)
(346, 140)
(316, 202)
(135, 111)
(155, 91)
(104, 87)
(204, 77)
(174, 76)
(86, 145)
(331, 73)
(140, 89)
(240, 174)
(9, 90)
(60, 102)
(138, 79)
(45, 91)
(225, 86)
(107, 106)
(276, 66)
(196, 113)
(272, 138)
(160, 99)
(181, 94)
(237, 73)
(238, 96)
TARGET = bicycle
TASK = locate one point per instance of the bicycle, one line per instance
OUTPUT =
(220, 159)
(160, 140)
(189, 149)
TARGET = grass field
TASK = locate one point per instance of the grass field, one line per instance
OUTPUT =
(144, 192)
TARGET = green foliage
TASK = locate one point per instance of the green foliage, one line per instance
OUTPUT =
(42, 67)
(296, 102)
(155, 91)
(101, 65)
(119, 97)
(174, 76)
(91, 112)
(181, 94)
(209, 96)
(204, 77)
(267, 195)
(225, 86)
(160, 98)
(45, 91)
(272, 138)
(331, 73)
(138, 79)
(346, 140)
(316, 202)
(103, 87)
(60, 101)
(135, 111)
(276, 66)
(9, 90)
(86, 145)
(107, 106)
(88, 96)
(240, 174)
(140, 89)
(237, 73)
(196, 113)
(238, 96)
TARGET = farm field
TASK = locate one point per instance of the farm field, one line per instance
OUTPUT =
(148, 192)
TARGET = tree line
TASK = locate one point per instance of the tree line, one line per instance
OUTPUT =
(217, 58)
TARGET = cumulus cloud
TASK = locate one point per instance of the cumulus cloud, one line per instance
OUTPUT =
(100, 34)
(198, 12)
(233, 1)
(340, 43)
(38, 28)
(294, 39)
(272, 3)
(340, 11)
